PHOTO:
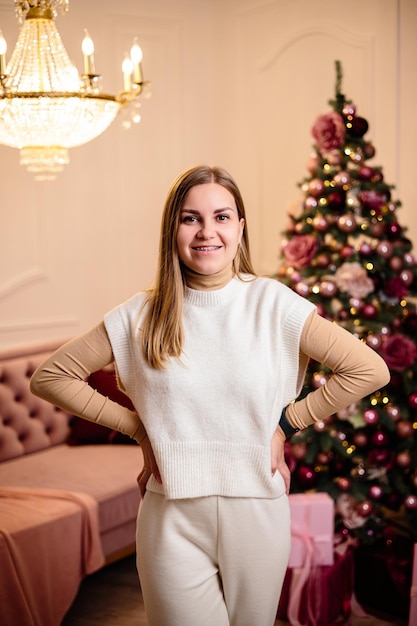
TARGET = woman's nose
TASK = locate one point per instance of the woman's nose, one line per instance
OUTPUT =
(205, 231)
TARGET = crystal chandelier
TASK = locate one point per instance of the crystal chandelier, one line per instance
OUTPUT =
(46, 107)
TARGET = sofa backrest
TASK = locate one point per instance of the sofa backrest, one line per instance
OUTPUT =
(27, 423)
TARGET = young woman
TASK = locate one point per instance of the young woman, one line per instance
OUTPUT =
(212, 358)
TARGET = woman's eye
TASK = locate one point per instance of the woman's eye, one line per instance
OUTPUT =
(222, 218)
(189, 219)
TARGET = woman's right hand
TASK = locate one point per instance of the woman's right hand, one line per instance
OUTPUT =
(149, 466)
(278, 463)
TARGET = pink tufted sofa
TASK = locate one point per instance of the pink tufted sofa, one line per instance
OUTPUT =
(65, 509)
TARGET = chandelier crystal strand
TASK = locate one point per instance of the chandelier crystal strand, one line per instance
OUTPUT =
(36, 67)
(45, 106)
(22, 7)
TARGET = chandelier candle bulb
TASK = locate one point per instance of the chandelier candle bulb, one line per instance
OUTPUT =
(127, 69)
(3, 49)
(136, 56)
(88, 52)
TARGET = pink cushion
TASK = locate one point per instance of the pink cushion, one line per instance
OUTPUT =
(27, 423)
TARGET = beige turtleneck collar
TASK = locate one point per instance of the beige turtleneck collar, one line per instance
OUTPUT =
(202, 282)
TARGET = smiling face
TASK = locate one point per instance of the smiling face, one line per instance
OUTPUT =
(209, 230)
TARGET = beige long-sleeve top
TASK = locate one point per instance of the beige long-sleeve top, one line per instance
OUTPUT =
(357, 372)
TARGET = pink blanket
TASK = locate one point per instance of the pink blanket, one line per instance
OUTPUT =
(49, 540)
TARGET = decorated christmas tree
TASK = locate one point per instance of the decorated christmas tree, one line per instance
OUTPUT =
(346, 251)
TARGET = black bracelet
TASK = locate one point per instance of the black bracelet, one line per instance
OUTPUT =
(289, 430)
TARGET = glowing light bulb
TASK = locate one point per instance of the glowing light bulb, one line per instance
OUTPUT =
(87, 47)
(127, 69)
(136, 55)
(3, 49)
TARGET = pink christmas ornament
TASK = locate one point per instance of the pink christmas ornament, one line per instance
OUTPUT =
(323, 458)
(380, 439)
(320, 223)
(342, 178)
(369, 311)
(365, 172)
(346, 252)
(384, 249)
(396, 263)
(404, 429)
(364, 508)
(360, 439)
(316, 187)
(393, 412)
(375, 492)
(377, 229)
(410, 502)
(412, 401)
(407, 277)
(346, 223)
(394, 230)
(328, 288)
(369, 150)
(298, 451)
(302, 289)
(403, 458)
(310, 203)
(365, 248)
(306, 476)
(354, 302)
(343, 483)
(371, 416)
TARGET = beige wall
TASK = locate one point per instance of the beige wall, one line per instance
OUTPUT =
(235, 82)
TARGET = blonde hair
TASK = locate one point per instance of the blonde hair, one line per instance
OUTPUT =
(162, 330)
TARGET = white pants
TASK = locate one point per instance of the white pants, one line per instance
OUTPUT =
(212, 561)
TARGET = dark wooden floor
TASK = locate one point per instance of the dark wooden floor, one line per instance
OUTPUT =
(111, 597)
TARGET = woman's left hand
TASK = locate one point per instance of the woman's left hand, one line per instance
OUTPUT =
(149, 466)
(278, 463)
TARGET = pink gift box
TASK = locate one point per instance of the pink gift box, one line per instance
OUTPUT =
(412, 620)
(312, 529)
(325, 597)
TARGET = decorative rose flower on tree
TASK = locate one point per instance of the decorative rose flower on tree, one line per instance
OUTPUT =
(354, 279)
(300, 250)
(346, 507)
(399, 352)
(395, 288)
(329, 131)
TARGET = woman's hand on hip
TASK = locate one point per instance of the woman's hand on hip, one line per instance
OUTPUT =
(149, 466)
(278, 463)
